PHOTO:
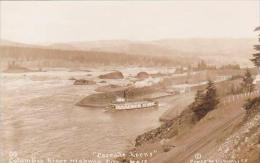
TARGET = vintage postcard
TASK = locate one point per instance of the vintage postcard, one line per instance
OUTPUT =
(129, 81)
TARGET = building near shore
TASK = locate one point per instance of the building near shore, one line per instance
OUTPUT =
(182, 88)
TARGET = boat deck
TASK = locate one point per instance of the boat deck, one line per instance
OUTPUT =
(134, 104)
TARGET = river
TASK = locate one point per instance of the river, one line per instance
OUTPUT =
(39, 118)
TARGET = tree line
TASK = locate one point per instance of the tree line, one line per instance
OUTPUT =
(207, 100)
(55, 57)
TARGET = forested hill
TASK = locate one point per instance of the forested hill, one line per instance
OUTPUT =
(218, 51)
(43, 57)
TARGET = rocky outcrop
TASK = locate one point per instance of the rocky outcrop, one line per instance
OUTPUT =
(168, 129)
(242, 144)
(142, 75)
(112, 75)
(103, 81)
(252, 107)
(110, 88)
(84, 82)
(105, 98)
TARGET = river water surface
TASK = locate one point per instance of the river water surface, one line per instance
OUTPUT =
(39, 117)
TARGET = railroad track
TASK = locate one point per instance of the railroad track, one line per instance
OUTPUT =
(199, 144)
(189, 150)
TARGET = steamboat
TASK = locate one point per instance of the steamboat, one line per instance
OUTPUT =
(122, 103)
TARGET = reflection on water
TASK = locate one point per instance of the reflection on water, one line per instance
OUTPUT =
(40, 118)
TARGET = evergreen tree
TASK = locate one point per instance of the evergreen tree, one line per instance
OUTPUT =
(199, 98)
(247, 84)
(211, 99)
(256, 56)
(205, 101)
(198, 106)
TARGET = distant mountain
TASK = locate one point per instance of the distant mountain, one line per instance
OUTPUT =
(214, 51)
(220, 51)
(19, 44)
(11, 43)
(121, 46)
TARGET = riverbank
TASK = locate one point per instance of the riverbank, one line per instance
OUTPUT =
(180, 139)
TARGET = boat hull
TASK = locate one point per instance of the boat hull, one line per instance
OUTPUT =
(134, 105)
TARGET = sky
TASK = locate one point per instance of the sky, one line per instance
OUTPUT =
(65, 21)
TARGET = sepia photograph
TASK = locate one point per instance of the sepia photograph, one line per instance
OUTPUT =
(149, 81)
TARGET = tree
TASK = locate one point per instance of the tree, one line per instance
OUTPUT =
(199, 99)
(198, 106)
(202, 65)
(205, 101)
(256, 56)
(211, 98)
(247, 83)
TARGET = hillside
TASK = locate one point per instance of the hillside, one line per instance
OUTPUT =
(43, 57)
(124, 52)
(235, 50)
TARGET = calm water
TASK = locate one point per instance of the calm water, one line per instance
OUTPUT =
(39, 117)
